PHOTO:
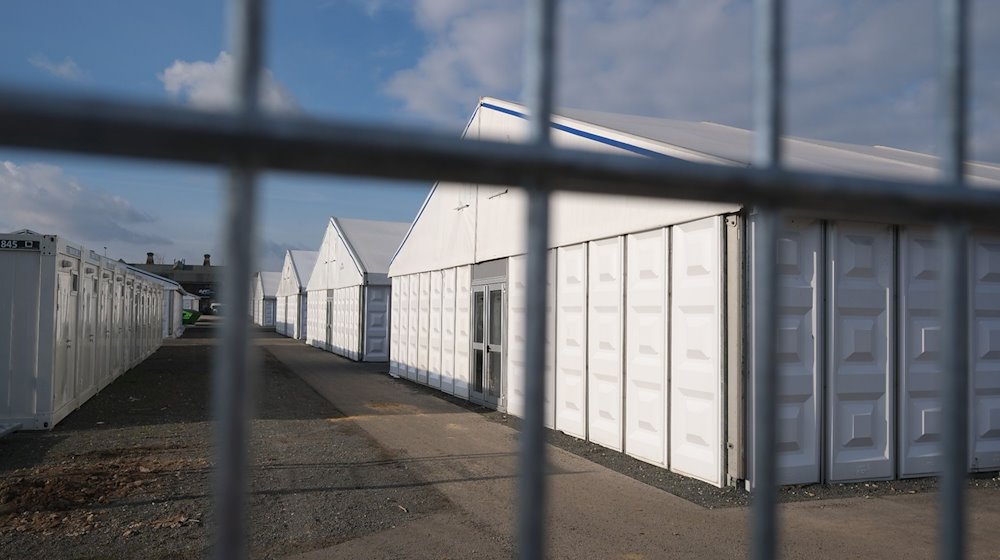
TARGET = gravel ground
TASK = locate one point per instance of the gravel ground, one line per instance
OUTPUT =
(127, 475)
(703, 494)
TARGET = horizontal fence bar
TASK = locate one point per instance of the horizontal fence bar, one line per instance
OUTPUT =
(97, 126)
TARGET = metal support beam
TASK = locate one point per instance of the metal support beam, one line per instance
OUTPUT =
(954, 285)
(768, 86)
(234, 368)
(539, 77)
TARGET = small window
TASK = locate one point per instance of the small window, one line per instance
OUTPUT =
(76, 282)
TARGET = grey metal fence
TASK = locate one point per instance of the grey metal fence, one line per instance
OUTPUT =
(246, 140)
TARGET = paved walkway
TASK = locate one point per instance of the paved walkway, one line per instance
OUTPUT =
(594, 512)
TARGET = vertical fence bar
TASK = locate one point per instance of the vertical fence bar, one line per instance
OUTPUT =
(768, 84)
(233, 366)
(538, 83)
(954, 286)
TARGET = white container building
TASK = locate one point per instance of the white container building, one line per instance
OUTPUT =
(291, 307)
(173, 303)
(651, 312)
(349, 288)
(72, 322)
(264, 298)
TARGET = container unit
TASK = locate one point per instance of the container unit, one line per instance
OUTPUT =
(291, 300)
(63, 337)
(652, 313)
(263, 298)
(349, 290)
(170, 314)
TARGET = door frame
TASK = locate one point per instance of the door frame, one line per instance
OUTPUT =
(485, 287)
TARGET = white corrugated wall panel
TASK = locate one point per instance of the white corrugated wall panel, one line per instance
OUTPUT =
(800, 325)
(401, 357)
(696, 347)
(985, 359)
(516, 293)
(434, 357)
(550, 343)
(395, 316)
(646, 346)
(860, 348)
(919, 353)
(463, 322)
(424, 336)
(571, 341)
(448, 330)
(356, 321)
(412, 340)
(604, 342)
(317, 319)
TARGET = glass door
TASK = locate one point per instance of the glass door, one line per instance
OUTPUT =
(487, 343)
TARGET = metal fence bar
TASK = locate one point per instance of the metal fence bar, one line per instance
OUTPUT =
(59, 122)
(234, 369)
(540, 18)
(954, 284)
(768, 67)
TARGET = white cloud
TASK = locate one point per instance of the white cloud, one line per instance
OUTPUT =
(207, 85)
(859, 70)
(67, 69)
(43, 198)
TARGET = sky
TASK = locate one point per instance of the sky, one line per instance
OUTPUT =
(859, 71)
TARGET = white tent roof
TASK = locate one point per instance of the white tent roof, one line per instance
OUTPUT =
(462, 224)
(299, 265)
(269, 283)
(371, 242)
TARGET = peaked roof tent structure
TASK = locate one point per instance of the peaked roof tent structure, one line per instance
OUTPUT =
(462, 223)
(651, 313)
(269, 283)
(300, 265)
(369, 245)
(349, 288)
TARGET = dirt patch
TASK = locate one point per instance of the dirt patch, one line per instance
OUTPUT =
(128, 475)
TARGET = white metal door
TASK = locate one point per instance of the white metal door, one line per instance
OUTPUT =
(488, 325)
(696, 350)
(604, 342)
(646, 348)
(64, 373)
(434, 356)
(985, 359)
(376, 332)
(919, 353)
(571, 340)
(860, 352)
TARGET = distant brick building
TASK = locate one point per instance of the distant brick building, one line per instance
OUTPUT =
(201, 280)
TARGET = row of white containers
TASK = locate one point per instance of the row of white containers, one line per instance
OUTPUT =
(646, 336)
(71, 321)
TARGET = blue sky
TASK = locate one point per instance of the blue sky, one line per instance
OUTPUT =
(860, 71)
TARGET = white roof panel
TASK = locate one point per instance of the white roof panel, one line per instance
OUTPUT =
(303, 261)
(373, 242)
(269, 282)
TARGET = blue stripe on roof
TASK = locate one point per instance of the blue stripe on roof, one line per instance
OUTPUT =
(584, 134)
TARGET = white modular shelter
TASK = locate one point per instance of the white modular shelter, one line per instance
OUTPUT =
(291, 307)
(173, 303)
(264, 298)
(651, 314)
(348, 291)
(190, 301)
(72, 322)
